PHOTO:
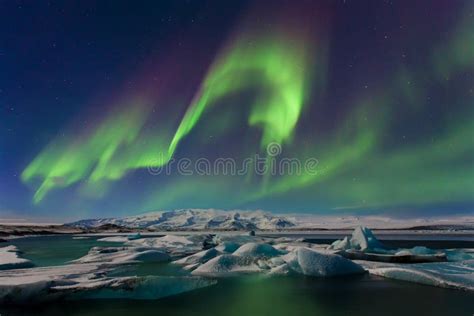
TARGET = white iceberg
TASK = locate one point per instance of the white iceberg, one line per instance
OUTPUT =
(198, 258)
(120, 255)
(114, 239)
(239, 239)
(263, 258)
(20, 285)
(10, 259)
(227, 265)
(362, 239)
(315, 263)
(88, 280)
(363, 245)
(143, 288)
(175, 245)
(457, 275)
(252, 252)
(257, 250)
(227, 246)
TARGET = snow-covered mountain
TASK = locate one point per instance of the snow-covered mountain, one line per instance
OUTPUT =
(195, 219)
(211, 219)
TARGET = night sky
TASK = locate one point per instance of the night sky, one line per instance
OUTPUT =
(98, 98)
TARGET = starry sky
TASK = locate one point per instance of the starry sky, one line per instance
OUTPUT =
(99, 100)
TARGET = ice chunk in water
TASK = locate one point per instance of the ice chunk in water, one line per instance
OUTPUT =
(144, 288)
(458, 275)
(256, 250)
(227, 247)
(115, 255)
(10, 259)
(227, 265)
(88, 280)
(362, 239)
(200, 257)
(314, 263)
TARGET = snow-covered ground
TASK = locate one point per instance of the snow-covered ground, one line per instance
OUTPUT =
(206, 258)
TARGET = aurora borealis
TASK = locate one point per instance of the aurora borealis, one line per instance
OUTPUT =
(94, 96)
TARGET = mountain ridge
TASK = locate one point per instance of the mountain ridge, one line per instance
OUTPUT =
(194, 219)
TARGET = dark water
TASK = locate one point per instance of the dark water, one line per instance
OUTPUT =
(360, 295)
(55, 250)
(280, 296)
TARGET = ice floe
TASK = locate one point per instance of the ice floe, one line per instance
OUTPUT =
(10, 259)
(311, 262)
(20, 285)
(88, 280)
(200, 257)
(362, 239)
(114, 239)
(363, 245)
(257, 250)
(458, 275)
(175, 245)
(263, 258)
(227, 265)
(123, 255)
(205, 258)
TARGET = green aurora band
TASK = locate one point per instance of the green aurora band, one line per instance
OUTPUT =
(274, 65)
(358, 165)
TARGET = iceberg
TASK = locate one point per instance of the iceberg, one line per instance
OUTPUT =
(227, 247)
(227, 265)
(114, 239)
(134, 236)
(88, 280)
(120, 255)
(456, 275)
(315, 263)
(363, 245)
(362, 239)
(172, 244)
(34, 284)
(142, 288)
(257, 250)
(198, 258)
(238, 239)
(10, 259)
(263, 258)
